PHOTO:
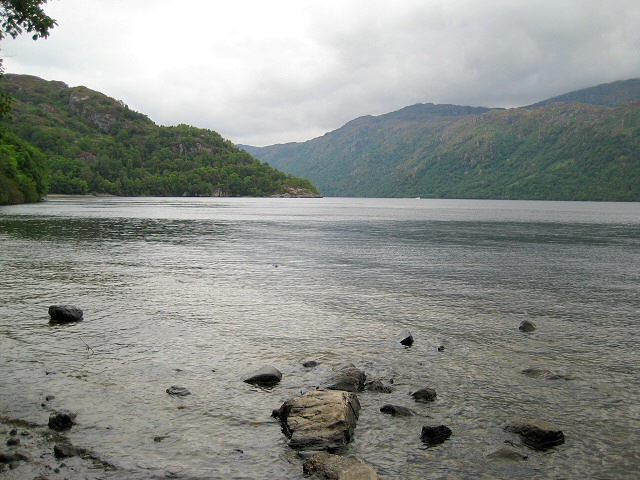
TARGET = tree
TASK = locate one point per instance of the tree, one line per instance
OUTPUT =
(17, 17)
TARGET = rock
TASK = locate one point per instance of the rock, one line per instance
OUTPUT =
(65, 313)
(178, 391)
(320, 418)
(406, 339)
(546, 374)
(12, 442)
(537, 434)
(527, 326)
(65, 451)
(508, 452)
(11, 458)
(61, 421)
(338, 467)
(377, 386)
(310, 364)
(435, 434)
(265, 377)
(396, 410)
(349, 379)
(441, 348)
(424, 395)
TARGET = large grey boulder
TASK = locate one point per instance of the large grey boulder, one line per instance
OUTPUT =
(320, 418)
(65, 313)
(265, 377)
(348, 378)
(337, 467)
(537, 434)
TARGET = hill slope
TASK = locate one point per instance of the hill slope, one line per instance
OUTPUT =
(556, 150)
(95, 144)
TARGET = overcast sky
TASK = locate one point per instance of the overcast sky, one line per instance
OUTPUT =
(261, 72)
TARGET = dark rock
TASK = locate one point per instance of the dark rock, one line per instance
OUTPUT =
(406, 339)
(435, 434)
(61, 421)
(65, 313)
(178, 391)
(396, 410)
(13, 432)
(10, 458)
(12, 442)
(275, 413)
(377, 386)
(537, 434)
(441, 348)
(338, 467)
(424, 395)
(320, 418)
(349, 379)
(527, 326)
(48, 398)
(265, 377)
(508, 452)
(310, 364)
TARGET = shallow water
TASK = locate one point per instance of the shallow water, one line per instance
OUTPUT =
(200, 292)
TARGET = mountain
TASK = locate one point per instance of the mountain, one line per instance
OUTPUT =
(584, 145)
(92, 143)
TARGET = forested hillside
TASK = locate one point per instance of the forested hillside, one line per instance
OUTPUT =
(91, 143)
(585, 146)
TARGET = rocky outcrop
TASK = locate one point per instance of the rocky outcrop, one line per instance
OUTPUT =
(537, 434)
(65, 313)
(320, 418)
(338, 467)
(349, 379)
(265, 377)
(435, 434)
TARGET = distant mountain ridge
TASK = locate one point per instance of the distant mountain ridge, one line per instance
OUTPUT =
(584, 145)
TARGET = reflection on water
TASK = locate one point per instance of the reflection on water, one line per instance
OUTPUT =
(198, 292)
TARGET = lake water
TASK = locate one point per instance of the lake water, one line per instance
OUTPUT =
(200, 292)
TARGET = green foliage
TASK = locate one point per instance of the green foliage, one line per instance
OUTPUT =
(23, 175)
(96, 144)
(557, 151)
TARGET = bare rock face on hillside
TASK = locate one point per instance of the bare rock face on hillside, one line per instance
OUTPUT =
(320, 418)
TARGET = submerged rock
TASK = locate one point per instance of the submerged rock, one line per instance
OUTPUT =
(61, 421)
(267, 376)
(546, 374)
(338, 467)
(65, 450)
(508, 452)
(406, 339)
(65, 313)
(435, 434)
(396, 410)
(349, 379)
(527, 326)
(377, 386)
(424, 395)
(178, 391)
(320, 418)
(310, 364)
(537, 434)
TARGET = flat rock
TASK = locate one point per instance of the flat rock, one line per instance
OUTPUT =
(267, 376)
(424, 395)
(396, 410)
(508, 452)
(435, 434)
(65, 313)
(338, 467)
(527, 326)
(537, 434)
(349, 379)
(178, 391)
(320, 418)
(61, 421)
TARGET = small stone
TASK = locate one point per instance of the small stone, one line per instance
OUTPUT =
(527, 326)
(267, 376)
(66, 451)
(13, 432)
(441, 348)
(48, 398)
(12, 442)
(178, 391)
(424, 395)
(435, 434)
(508, 452)
(396, 410)
(406, 339)
(377, 386)
(65, 313)
(61, 421)
(310, 364)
